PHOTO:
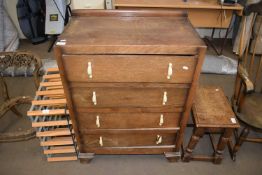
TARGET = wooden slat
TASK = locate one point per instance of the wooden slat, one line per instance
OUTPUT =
(50, 113)
(56, 132)
(60, 150)
(52, 69)
(54, 87)
(50, 92)
(51, 76)
(57, 159)
(51, 123)
(47, 84)
(57, 141)
(49, 102)
(54, 80)
(55, 96)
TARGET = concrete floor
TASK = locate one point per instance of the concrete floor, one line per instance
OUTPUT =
(26, 158)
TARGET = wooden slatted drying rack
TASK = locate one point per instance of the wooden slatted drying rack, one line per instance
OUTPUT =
(50, 117)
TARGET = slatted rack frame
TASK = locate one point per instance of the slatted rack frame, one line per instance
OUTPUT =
(50, 117)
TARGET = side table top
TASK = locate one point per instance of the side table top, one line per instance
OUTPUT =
(211, 108)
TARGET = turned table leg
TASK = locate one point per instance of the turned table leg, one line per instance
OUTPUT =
(223, 140)
(240, 140)
(197, 134)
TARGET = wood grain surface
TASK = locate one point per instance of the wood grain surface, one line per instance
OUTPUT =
(128, 97)
(129, 68)
(130, 53)
(128, 120)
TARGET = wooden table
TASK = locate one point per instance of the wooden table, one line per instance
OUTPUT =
(212, 113)
(201, 13)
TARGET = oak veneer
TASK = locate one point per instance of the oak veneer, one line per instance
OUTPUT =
(126, 140)
(126, 120)
(129, 97)
(124, 73)
(129, 68)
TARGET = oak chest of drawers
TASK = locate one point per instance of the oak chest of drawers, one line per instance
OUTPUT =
(129, 78)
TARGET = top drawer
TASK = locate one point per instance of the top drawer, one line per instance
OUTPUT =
(129, 68)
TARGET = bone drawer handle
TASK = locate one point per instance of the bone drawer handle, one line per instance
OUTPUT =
(94, 98)
(97, 121)
(161, 120)
(169, 71)
(89, 70)
(158, 139)
(165, 98)
(101, 141)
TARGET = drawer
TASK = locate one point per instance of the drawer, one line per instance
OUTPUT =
(127, 120)
(129, 150)
(129, 68)
(128, 97)
(116, 140)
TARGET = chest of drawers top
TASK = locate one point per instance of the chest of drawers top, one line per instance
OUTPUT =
(130, 32)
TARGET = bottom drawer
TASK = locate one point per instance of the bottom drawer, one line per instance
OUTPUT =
(129, 150)
(127, 140)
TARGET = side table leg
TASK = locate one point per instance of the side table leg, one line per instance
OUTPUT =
(240, 140)
(223, 140)
(197, 134)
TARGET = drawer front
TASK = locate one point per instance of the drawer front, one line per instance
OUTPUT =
(127, 120)
(122, 140)
(129, 150)
(129, 97)
(129, 68)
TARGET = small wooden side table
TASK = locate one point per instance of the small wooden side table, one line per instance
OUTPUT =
(212, 113)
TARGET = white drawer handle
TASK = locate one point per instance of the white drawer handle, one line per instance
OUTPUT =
(97, 121)
(158, 139)
(169, 71)
(101, 141)
(165, 98)
(94, 98)
(89, 70)
(161, 120)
